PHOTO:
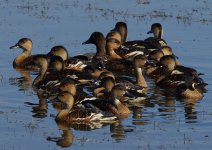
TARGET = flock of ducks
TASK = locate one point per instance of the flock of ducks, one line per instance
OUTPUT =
(98, 88)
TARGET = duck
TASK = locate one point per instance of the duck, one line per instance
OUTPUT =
(111, 61)
(77, 63)
(41, 61)
(22, 61)
(156, 40)
(140, 84)
(105, 87)
(146, 45)
(153, 60)
(188, 89)
(171, 77)
(57, 75)
(82, 115)
(59, 50)
(98, 39)
(113, 104)
(116, 50)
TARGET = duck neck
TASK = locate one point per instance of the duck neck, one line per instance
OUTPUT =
(124, 34)
(121, 108)
(38, 80)
(140, 78)
(100, 48)
(159, 34)
(18, 62)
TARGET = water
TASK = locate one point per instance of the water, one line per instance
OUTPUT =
(164, 123)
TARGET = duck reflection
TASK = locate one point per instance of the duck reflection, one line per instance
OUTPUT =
(24, 82)
(66, 138)
(39, 110)
(119, 131)
(190, 112)
(167, 105)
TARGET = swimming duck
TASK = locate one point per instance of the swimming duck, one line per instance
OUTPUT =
(22, 61)
(170, 75)
(78, 62)
(157, 40)
(111, 61)
(140, 84)
(152, 68)
(150, 43)
(41, 61)
(105, 87)
(116, 50)
(113, 104)
(78, 114)
(98, 39)
(189, 89)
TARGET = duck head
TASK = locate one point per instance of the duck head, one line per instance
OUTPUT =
(140, 61)
(98, 39)
(121, 27)
(157, 30)
(59, 51)
(168, 62)
(56, 63)
(68, 86)
(24, 43)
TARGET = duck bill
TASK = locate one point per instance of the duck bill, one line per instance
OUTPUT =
(87, 42)
(15, 46)
(149, 32)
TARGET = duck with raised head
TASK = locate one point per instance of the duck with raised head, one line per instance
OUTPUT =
(57, 74)
(98, 39)
(140, 84)
(157, 40)
(22, 61)
(115, 49)
(41, 61)
(45, 79)
(150, 43)
(112, 61)
(73, 114)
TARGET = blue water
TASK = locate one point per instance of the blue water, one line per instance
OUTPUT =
(165, 124)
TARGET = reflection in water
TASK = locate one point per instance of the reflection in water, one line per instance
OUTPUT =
(24, 82)
(118, 131)
(137, 116)
(66, 138)
(167, 105)
(190, 112)
(39, 110)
